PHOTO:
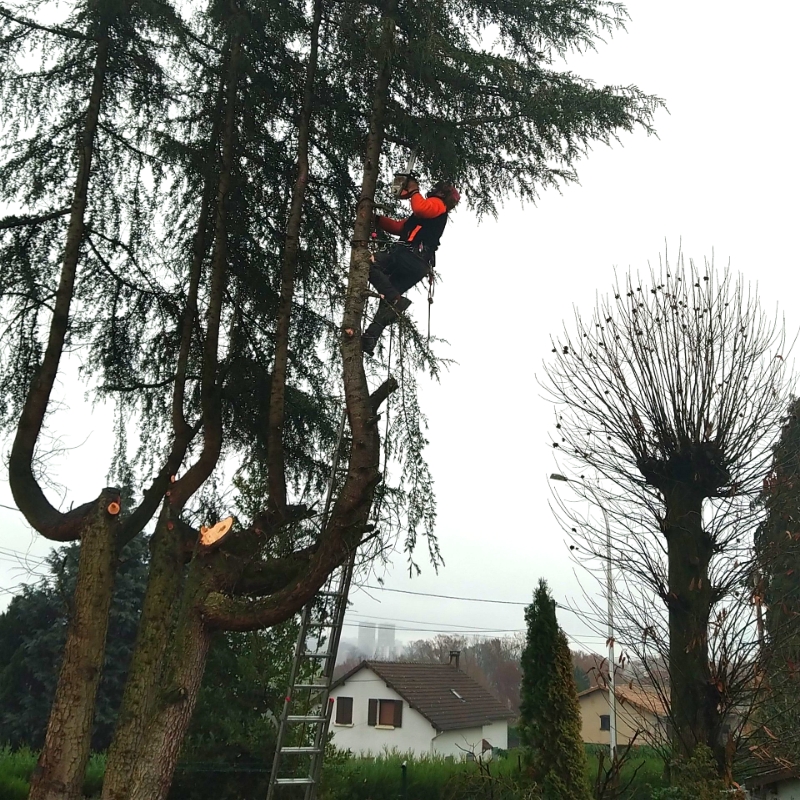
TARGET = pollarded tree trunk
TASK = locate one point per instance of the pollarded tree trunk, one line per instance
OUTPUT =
(693, 697)
(60, 771)
(164, 585)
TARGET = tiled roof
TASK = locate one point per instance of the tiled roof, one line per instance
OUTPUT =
(647, 700)
(431, 690)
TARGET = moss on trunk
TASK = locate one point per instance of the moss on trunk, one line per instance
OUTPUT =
(62, 763)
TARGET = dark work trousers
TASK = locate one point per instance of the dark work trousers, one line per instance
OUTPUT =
(395, 271)
(392, 273)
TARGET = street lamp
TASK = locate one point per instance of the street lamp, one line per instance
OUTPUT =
(612, 699)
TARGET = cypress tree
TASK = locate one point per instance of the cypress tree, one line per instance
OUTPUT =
(550, 720)
(777, 545)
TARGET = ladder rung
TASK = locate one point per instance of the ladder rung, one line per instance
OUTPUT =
(329, 594)
(305, 718)
(294, 781)
(301, 750)
(313, 686)
(317, 655)
(329, 624)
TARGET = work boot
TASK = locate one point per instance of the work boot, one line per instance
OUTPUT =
(368, 344)
(401, 304)
(387, 314)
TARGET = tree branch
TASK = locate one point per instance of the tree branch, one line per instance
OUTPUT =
(209, 390)
(20, 222)
(389, 386)
(57, 30)
(25, 488)
(276, 467)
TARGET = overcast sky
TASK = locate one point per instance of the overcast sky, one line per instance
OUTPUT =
(720, 179)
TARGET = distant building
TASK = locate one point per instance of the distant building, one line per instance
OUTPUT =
(424, 709)
(638, 712)
(366, 639)
(783, 785)
(386, 643)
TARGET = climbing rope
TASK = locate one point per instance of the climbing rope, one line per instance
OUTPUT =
(431, 290)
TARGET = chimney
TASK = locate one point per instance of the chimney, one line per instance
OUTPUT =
(455, 656)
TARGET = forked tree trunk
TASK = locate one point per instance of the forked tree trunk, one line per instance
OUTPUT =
(170, 717)
(164, 585)
(60, 770)
(693, 697)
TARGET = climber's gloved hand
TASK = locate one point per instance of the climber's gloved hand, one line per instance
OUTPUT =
(411, 187)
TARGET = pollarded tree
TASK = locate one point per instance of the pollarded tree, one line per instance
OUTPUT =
(550, 718)
(670, 394)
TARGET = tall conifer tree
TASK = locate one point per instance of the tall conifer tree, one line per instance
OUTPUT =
(550, 719)
(185, 320)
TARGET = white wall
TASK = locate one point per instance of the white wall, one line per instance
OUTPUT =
(788, 790)
(458, 743)
(414, 736)
(496, 733)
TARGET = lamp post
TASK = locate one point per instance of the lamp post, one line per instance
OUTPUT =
(612, 698)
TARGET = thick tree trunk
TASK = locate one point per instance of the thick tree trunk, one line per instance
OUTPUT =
(158, 757)
(693, 696)
(164, 585)
(62, 763)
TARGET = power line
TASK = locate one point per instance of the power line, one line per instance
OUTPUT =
(465, 599)
(445, 596)
(436, 630)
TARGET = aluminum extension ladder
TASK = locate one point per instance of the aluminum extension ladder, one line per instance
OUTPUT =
(307, 707)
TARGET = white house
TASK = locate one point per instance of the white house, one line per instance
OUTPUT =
(775, 786)
(424, 709)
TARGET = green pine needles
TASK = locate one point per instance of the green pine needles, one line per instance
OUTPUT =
(550, 721)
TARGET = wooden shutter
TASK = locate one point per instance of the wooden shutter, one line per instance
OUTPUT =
(372, 713)
(398, 713)
(344, 710)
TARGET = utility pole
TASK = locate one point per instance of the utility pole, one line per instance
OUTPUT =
(612, 695)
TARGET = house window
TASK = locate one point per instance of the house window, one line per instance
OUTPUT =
(605, 722)
(344, 710)
(385, 713)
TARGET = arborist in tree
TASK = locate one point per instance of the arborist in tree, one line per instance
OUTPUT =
(395, 271)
